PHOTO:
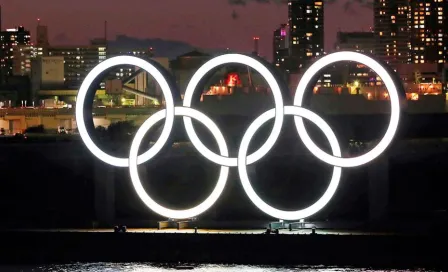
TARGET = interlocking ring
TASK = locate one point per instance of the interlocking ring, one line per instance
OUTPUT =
(242, 160)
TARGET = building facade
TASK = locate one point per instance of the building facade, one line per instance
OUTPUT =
(47, 74)
(184, 67)
(281, 47)
(42, 43)
(10, 39)
(428, 31)
(78, 61)
(363, 42)
(126, 70)
(22, 57)
(356, 73)
(306, 22)
(391, 28)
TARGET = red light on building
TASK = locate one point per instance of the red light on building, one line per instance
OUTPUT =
(233, 79)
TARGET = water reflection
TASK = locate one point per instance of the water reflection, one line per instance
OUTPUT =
(132, 267)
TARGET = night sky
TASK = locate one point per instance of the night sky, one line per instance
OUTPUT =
(202, 23)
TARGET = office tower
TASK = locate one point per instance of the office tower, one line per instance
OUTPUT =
(42, 36)
(9, 40)
(79, 60)
(22, 56)
(391, 28)
(428, 29)
(306, 22)
(281, 47)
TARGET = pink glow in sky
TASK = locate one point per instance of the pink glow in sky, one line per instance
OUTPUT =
(202, 23)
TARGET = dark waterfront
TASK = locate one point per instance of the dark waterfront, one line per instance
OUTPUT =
(59, 180)
(53, 183)
(57, 183)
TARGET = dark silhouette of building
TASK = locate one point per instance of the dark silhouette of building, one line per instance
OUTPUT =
(281, 48)
(362, 42)
(306, 22)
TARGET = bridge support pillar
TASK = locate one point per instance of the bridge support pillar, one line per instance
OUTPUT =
(104, 193)
(378, 175)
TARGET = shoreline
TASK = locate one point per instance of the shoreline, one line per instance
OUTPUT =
(221, 247)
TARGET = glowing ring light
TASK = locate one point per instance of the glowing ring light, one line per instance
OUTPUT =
(242, 169)
(242, 160)
(224, 173)
(272, 82)
(152, 70)
(394, 100)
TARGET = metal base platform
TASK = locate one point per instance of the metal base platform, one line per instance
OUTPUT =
(178, 224)
(280, 225)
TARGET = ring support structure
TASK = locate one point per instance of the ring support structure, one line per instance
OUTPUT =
(243, 159)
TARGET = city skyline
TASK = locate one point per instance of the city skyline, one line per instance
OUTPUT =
(198, 28)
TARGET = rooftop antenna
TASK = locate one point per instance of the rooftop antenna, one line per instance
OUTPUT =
(256, 39)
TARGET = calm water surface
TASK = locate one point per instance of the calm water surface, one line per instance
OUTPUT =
(111, 267)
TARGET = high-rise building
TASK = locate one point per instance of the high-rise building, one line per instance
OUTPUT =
(78, 61)
(42, 43)
(306, 22)
(281, 47)
(9, 40)
(42, 36)
(429, 31)
(391, 26)
(22, 56)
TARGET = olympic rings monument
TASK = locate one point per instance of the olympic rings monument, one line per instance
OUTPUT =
(243, 159)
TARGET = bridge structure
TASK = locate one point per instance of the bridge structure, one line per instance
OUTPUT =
(17, 120)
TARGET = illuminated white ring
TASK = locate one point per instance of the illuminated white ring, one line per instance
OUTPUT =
(242, 160)
(278, 99)
(242, 169)
(394, 100)
(152, 70)
(149, 202)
